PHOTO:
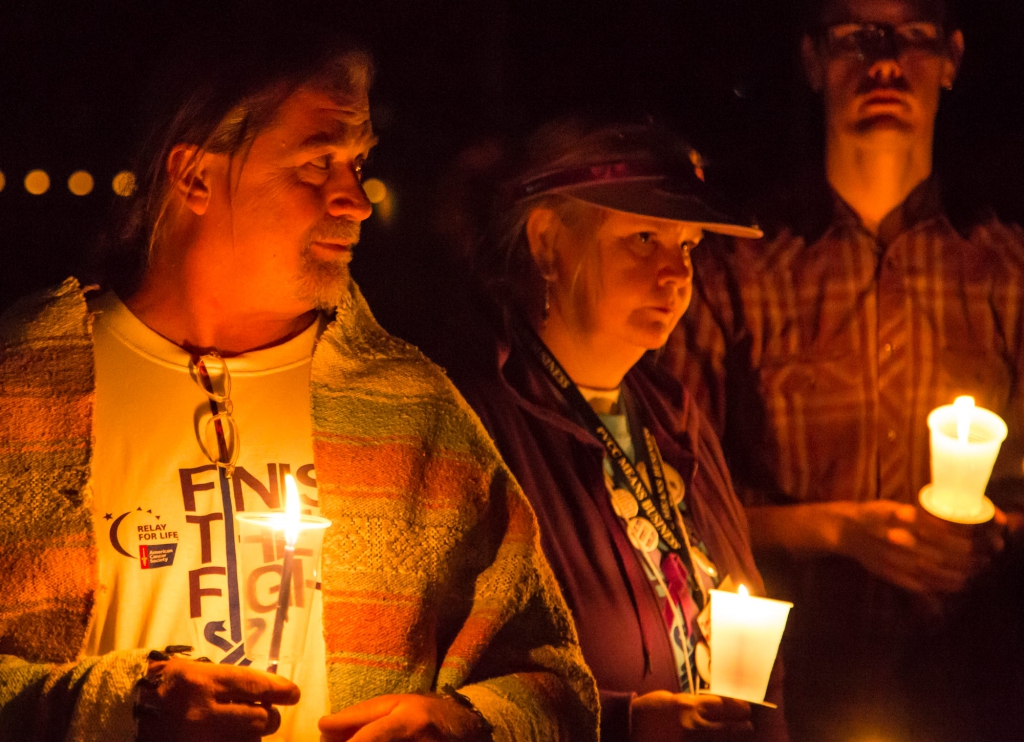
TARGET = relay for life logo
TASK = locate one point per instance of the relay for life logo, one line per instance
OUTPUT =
(202, 524)
(140, 534)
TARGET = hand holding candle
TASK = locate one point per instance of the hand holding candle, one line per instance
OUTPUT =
(662, 716)
(906, 546)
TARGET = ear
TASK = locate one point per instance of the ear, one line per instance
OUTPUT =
(188, 169)
(814, 70)
(541, 227)
(954, 55)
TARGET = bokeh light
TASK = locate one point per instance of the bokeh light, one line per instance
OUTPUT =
(3, 180)
(80, 183)
(375, 190)
(37, 182)
(385, 210)
(124, 183)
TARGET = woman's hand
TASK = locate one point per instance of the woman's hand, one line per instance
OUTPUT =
(405, 717)
(661, 716)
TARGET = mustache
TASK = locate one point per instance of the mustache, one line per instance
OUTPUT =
(334, 230)
(871, 85)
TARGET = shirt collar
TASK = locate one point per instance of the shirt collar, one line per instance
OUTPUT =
(922, 204)
(809, 207)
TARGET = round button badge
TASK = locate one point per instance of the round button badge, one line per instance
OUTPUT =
(623, 503)
(642, 534)
(675, 485)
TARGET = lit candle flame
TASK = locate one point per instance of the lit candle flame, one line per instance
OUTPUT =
(292, 511)
(743, 590)
(964, 407)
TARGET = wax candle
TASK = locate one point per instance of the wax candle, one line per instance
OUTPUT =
(965, 442)
(292, 525)
(745, 636)
(286, 544)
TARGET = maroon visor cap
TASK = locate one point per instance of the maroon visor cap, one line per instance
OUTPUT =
(645, 187)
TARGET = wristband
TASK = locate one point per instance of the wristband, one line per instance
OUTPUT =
(447, 691)
(147, 697)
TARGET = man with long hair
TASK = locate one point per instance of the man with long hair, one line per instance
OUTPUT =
(228, 347)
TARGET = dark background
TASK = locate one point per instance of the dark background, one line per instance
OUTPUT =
(450, 73)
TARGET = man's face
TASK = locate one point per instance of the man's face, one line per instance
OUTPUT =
(296, 202)
(880, 65)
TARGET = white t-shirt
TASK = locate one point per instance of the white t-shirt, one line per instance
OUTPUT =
(165, 567)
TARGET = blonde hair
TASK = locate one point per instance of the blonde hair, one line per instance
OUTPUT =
(500, 259)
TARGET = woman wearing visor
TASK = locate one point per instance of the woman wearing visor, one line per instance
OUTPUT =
(586, 268)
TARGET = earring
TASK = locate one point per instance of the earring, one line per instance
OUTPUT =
(547, 298)
(947, 84)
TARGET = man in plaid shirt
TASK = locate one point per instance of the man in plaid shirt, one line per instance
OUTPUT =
(818, 353)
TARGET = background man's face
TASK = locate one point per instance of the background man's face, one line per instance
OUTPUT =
(889, 89)
(298, 201)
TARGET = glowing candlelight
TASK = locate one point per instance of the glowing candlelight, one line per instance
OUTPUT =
(745, 636)
(287, 544)
(965, 442)
(292, 511)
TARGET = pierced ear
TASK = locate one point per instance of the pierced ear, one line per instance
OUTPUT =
(954, 55)
(813, 69)
(188, 171)
(541, 226)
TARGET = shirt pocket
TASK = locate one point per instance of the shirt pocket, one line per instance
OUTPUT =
(817, 425)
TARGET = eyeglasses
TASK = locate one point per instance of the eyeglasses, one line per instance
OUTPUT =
(883, 40)
(220, 440)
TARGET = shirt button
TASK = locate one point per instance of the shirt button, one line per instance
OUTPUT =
(891, 435)
(887, 348)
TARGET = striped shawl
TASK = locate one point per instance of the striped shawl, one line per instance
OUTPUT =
(432, 573)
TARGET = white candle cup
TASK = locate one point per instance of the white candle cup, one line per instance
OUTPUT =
(961, 468)
(745, 636)
(261, 556)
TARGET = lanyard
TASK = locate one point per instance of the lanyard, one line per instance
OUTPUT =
(661, 512)
(225, 463)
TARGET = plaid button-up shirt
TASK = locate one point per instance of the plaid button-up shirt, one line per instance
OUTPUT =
(819, 356)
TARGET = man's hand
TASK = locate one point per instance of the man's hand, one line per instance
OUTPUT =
(914, 550)
(204, 702)
(661, 716)
(405, 717)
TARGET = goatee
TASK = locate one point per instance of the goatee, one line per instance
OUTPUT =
(325, 282)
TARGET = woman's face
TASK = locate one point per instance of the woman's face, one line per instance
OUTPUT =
(623, 277)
